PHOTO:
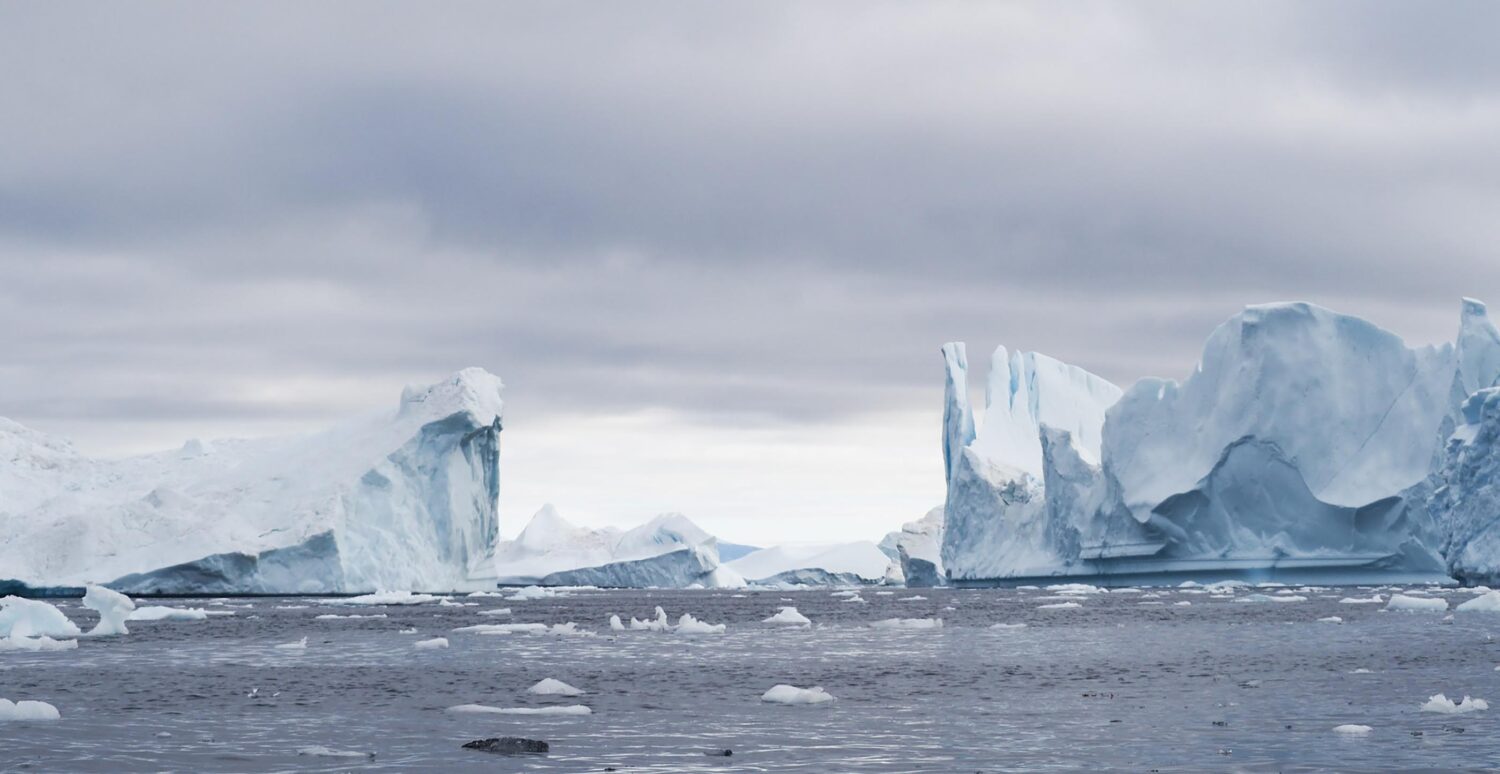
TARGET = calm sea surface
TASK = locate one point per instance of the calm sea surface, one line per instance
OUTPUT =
(1112, 684)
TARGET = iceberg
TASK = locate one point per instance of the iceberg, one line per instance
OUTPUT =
(855, 563)
(917, 551)
(1305, 443)
(668, 551)
(399, 499)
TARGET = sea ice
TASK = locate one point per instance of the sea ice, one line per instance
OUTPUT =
(1412, 604)
(908, 623)
(687, 624)
(1352, 728)
(551, 687)
(387, 598)
(113, 607)
(1443, 704)
(789, 694)
(433, 644)
(298, 645)
(788, 615)
(27, 710)
(20, 617)
(482, 709)
(1488, 602)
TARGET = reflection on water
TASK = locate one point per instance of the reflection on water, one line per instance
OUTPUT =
(1118, 682)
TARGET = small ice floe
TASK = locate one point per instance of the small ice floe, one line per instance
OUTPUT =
(446, 602)
(1028, 588)
(163, 613)
(658, 624)
(1075, 588)
(1183, 603)
(615, 625)
(1445, 705)
(496, 611)
(290, 607)
(507, 628)
(433, 644)
(1361, 671)
(27, 710)
(21, 617)
(687, 624)
(337, 617)
(407, 631)
(909, 623)
(788, 615)
(386, 598)
(1373, 599)
(298, 645)
(42, 644)
(1060, 606)
(791, 694)
(534, 592)
(113, 607)
(483, 709)
(319, 751)
(1331, 619)
(913, 598)
(551, 687)
(857, 599)
(840, 593)
(1261, 598)
(569, 629)
(1488, 602)
(475, 594)
(1409, 604)
(1352, 729)
(1008, 626)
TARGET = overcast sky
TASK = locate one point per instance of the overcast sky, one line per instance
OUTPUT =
(712, 248)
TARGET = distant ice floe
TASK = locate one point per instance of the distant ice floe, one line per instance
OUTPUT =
(42, 644)
(1445, 705)
(27, 710)
(483, 709)
(319, 751)
(1060, 606)
(337, 617)
(1409, 604)
(551, 687)
(790, 616)
(1373, 599)
(1352, 729)
(563, 629)
(1260, 598)
(909, 623)
(687, 624)
(496, 611)
(1008, 626)
(163, 613)
(387, 598)
(435, 643)
(790, 694)
(1333, 619)
(20, 617)
(298, 645)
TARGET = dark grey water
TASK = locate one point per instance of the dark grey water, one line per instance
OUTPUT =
(1113, 684)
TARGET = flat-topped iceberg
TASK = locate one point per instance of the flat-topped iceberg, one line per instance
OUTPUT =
(1305, 442)
(404, 498)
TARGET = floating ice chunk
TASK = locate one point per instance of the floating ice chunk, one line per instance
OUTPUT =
(1008, 626)
(1331, 619)
(857, 599)
(788, 615)
(1150, 603)
(909, 623)
(482, 709)
(496, 611)
(687, 624)
(533, 592)
(113, 608)
(387, 598)
(43, 644)
(506, 628)
(298, 645)
(1411, 604)
(551, 687)
(569, 629)
(433, 644)
(1075, 588)
(319, 751)
(1361, 671)
(1352, 728)
(1373, 599)
(659, 624)
(27, 710)
(337, 617)
(1060, 606)
(407, 631)
(844, 593)
(1443, 704)
(33, 618)
(1183, 603)
(615, 625)
(1260, 598)
(1489, 602)
(790, 694)
(163, 613)
(485, 594)
(913, 598)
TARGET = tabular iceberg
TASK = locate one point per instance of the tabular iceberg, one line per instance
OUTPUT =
(1305, 442)
(668, 551)
(404, 499)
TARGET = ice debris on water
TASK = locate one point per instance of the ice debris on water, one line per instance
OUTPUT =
(1443, 704)
(790, 694)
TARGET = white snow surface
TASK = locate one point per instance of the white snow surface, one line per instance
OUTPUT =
(403, 498)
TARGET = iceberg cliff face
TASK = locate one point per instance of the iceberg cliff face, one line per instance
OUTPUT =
(815, 564)
(919, 549)
(1305, 440)
(1467, 498)
(404, 499)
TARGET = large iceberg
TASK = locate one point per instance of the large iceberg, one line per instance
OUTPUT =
(1466, 498)
(402, 499)
(1305, 442)
(668, 551)
(917, 550)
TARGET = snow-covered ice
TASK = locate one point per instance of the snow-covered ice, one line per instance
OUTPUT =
(27, 710)
(788, 615)
(1352, 728)
(113, 607)
(908, 623)
(1443, 704)
(436, 643)
(164, 613)
(790, 694)
(1413, 604)
(482, 709)
(20, 617)
(553, 687)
